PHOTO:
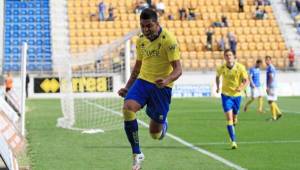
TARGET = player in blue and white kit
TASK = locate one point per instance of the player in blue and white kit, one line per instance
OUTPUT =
(255, 85)
(271, 89)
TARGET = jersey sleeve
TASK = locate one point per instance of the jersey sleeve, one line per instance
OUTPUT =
(172, 49)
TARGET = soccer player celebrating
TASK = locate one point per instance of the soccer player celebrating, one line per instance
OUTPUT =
(271, 91)
(150, 83)
(255, 85)
(235, 79)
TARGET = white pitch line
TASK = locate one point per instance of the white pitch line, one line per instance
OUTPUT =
(178, 139)
(252, 142)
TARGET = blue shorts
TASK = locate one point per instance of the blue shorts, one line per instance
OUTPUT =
(156, 99)
(231, 103)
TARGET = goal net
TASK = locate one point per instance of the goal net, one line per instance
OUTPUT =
(89, 84)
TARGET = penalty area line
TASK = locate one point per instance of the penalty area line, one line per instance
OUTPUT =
(181, 141)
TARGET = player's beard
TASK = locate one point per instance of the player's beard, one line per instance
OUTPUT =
(152, 36)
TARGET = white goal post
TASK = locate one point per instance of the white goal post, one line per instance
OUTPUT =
(88, 86)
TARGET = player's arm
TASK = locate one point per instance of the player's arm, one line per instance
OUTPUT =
(218, 83)
(271, 79)
(244, 80)
(175, 74)
(251, 81)
(243, 85)
(134, 74)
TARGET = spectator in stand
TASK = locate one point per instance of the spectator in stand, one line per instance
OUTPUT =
(222, 43)
(267, 2)
(111, 16)
(182, 13)
(224, 21)
(232, 40)
(192, 13)
(140, 6)
(209, 38)
(170, 17)
(8, 83)
(291, 58)
(259, 2)
(241, 5)
(258, 14)
(160, 7)
(101, 8)
(298, 5)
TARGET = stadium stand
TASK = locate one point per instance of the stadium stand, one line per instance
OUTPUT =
(255, 37)
(27, 21)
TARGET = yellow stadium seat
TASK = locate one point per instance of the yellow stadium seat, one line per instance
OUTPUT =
(261, 31)
(274, 46)
(195, 64)
(246, 30)
(267, 46)
(259, 46)
(249, 38)
(253, 30)
(185, 55)
(282, 46)
(276, 30)
(236, 23)
(264, 38)
(192, 55)
(252, 46)
(186, 64)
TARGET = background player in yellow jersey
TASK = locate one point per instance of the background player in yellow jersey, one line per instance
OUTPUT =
(235, 79)
(156, 68)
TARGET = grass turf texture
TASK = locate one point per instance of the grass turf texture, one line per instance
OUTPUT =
(200, 121)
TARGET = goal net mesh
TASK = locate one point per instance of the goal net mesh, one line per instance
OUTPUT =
(89, 84)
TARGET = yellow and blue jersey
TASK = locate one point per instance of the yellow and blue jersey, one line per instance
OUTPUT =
(232, 78)
(156, 56)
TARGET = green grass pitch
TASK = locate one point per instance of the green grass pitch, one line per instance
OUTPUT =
(263, 145)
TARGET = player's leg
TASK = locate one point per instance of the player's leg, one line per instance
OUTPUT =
(130, 123)
(273, 109)
(260, 104)
(227, 104)
(155, 129)
(157, 110)
(249, 101)
(272, 98)
(134, 101)
(235, 111)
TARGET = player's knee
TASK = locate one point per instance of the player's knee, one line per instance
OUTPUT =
(230, 122)
(155, 136)
(128, 115)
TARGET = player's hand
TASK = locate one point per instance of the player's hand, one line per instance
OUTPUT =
(218, 90)
(122, 92)
(160, 82)
(238, 89)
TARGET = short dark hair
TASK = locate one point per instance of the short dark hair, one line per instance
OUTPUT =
(149, 13)
(258, 61)
(226, 51)
(268, 57)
